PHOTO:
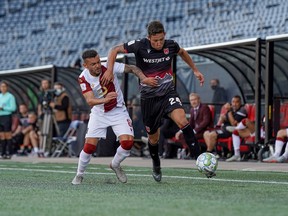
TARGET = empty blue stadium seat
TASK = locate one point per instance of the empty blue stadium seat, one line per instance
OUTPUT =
(57, 31)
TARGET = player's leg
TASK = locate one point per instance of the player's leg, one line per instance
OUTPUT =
(84, 159)
(179, 117)
(210, 138)
(236, 138)
(153, 111)
(153, 142)
(122, 127)
(123, 151)
(279, 143)
(95, 130)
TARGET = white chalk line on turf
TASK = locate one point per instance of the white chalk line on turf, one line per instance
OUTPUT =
(142, 175)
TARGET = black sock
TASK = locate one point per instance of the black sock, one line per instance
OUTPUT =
(153, 149)
(191, 140)
(3, 144)
(9, 147)
(1, 147)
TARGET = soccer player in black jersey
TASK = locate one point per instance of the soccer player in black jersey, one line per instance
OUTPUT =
(154, 56)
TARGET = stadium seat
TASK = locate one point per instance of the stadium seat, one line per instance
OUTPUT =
(44, 20)
(284, 115)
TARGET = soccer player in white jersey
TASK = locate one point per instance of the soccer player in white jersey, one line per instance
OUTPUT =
(108, 109)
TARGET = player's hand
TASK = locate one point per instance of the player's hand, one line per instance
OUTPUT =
(178, 134)
(200, 77)
(107, 77)
(110, 96)
(52, 105)
(150, 81)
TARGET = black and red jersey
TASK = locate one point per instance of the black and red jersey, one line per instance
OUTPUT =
(154, 63)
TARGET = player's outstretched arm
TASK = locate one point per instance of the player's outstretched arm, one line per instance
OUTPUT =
(186, 57)
(112, 54)
(150, 81)
(92, 101)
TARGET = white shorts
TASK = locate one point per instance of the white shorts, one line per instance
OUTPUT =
(118, 118)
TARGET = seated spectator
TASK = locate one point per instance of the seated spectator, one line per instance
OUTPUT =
(167, 131)
(244, 129)
(200, 118)
(18, 134)
(35, 139)
(234, 114)
(281, 138)
(32, 126)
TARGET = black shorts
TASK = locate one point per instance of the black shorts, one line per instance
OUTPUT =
(222, 133)
(5, 123)
(154, 109)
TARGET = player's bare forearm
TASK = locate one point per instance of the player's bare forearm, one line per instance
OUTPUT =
(92, 101)
(135, 70)
(151, 81)
(109, 76)
(112, 54)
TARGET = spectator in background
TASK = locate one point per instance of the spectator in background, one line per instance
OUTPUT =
(18, 134)
(244, 129)
(219, 97)
(77, 64)
(281, 138)
(234, 114)
(32, 126)
(7, 107)
(200, 118)
(139, 129)
(167, 131)
(44, 98)
(62, 108)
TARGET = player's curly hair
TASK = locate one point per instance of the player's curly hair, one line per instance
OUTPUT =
(91, 53)
(155, 27)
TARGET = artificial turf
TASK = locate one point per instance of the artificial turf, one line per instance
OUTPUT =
(45, 189)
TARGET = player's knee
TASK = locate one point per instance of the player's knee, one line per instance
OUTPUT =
(282, 133)
(89, 148)
(126, 144)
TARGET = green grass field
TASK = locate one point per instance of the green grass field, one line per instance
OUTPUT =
(45, 189)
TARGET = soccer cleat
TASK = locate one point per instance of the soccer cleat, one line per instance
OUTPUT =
(157, 174)
(119, 173)
(234, 158)
(210, 174)
(230, 128)
(281, 159)
(77, 180)
(144, 139)
(271, 159)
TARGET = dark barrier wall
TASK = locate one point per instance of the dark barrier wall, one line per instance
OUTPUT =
(25, 83)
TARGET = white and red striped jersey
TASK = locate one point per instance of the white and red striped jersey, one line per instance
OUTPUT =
(91, 83)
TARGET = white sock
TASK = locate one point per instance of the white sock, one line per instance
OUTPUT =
(36, 150)
(83, 162)
(236, 144)
(120, 155)
(240, 126)
(286, 151)
(278, 147)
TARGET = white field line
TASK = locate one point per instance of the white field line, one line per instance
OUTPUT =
(142, 175)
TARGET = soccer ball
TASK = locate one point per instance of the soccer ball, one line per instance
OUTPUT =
(207, 163)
